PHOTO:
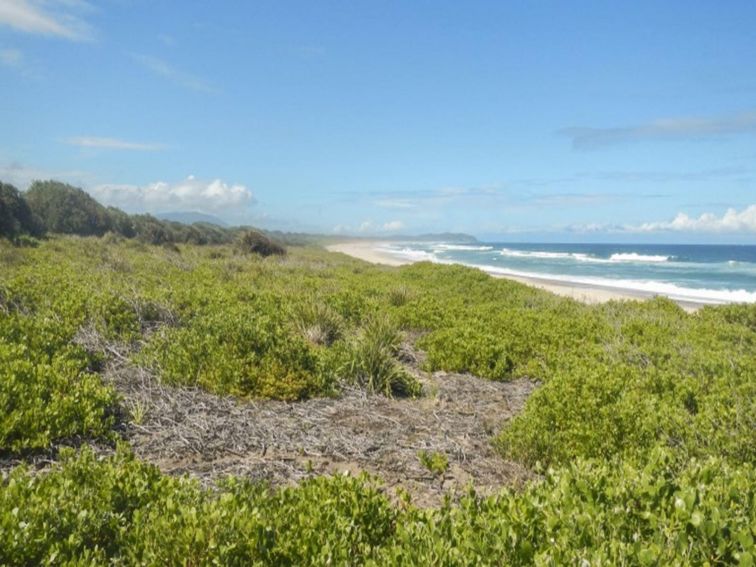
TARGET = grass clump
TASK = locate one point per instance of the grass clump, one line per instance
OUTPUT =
(435, 461)
(372, 361)
(318, 322)
(399, 296)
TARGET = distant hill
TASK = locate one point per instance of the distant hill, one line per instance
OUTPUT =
(190, 217)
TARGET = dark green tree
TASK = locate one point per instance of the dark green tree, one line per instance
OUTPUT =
(16, 217)
(121, 222)
(151, 230)
(67, 210)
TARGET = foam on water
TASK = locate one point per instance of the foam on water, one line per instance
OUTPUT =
(411, 254)
(635, 257)
(682, 274)
(673, 291)
(462, 247)
(582, 257)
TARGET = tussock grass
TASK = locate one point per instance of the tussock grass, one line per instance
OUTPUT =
(372, 360)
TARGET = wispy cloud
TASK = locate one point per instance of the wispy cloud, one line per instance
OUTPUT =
(513, 196)
(22, 175)
(176, 76)
(215, 196)
(11, 57)
(583, 199)
(681, 128)
(55, 18)
(406, 200)
(167, 39)
(113, 144)
(669, 176)
(395, 203)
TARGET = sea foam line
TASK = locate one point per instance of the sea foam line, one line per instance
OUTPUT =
(582, 257)
(673, 291)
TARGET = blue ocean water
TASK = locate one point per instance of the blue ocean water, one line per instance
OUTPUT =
(701, 273)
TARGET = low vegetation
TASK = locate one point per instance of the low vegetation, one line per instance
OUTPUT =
(435, 461)
(643, 427)
(119, 510)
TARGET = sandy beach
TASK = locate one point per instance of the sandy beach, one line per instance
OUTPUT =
(369, 251)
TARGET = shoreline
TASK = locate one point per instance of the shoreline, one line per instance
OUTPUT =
(366, 251)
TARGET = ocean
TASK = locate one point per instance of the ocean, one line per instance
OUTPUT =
(712, 274)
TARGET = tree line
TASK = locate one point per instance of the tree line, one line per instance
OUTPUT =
(52, 207)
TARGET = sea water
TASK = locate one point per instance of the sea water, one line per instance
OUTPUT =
(700, 273)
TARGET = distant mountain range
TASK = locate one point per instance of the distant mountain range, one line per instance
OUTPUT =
(190, 217)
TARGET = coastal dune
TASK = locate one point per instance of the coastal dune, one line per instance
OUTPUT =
(371, 251)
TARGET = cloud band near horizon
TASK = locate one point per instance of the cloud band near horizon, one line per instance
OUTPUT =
(680, 128)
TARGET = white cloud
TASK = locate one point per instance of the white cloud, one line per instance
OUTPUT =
(392, 226)
(11, 57)
(731, 221)
(52, 18)
(369, 227)
(176, 76)
(190, 194)
(112, 144)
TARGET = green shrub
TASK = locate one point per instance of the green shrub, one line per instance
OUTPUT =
(117, 510)
(246, 353)
(435, 461)
(464, 350)
(372, 361)
(47, 392)
(593, 513)
(254, 242)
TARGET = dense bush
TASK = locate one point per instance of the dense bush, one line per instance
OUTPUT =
(120, 511)
(245, 352)
(67, 210)
(47, 390)
(16, 218)
(254, 242)
(59, 208)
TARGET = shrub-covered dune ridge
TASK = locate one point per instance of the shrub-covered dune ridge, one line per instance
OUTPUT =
(643, 428)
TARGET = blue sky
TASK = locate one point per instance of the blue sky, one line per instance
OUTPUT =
(529, 120)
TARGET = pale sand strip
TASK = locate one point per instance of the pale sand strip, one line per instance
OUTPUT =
(367, 251)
